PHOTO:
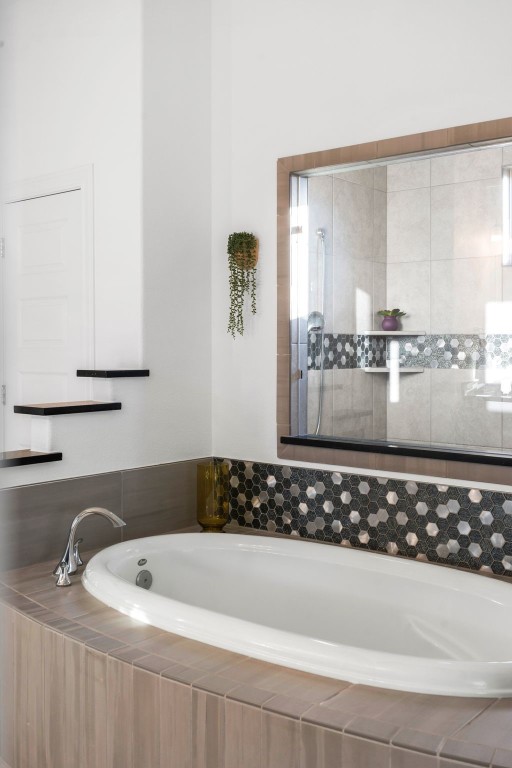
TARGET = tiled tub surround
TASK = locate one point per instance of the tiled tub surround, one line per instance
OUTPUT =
(34, 519)
(464, 527)
(141, 697)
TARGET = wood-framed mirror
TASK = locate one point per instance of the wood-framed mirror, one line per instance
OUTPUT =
(420, 223)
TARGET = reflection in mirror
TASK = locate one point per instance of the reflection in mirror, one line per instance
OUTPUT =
(429, 235)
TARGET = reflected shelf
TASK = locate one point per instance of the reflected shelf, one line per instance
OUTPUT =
(388, 370)
(395, 333)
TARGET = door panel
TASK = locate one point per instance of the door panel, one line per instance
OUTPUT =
(48, 306)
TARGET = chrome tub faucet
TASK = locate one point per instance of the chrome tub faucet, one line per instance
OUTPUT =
(71, 560)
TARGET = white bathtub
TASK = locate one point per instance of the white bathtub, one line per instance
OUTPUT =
(348, 614)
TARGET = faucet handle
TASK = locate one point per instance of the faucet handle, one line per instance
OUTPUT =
(76, 553)
(62, 573)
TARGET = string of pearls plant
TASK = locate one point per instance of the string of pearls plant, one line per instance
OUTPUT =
(242, 258)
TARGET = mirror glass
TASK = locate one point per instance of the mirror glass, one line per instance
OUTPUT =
(427, 235)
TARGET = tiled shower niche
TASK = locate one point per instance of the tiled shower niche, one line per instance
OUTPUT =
(463, 527)
(424, 235)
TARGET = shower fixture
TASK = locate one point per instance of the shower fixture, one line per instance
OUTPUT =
(316, 318)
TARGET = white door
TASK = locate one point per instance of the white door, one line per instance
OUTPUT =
(48, 330)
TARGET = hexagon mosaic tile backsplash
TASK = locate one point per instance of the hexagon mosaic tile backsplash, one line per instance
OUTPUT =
(344, 350)
(465, 527)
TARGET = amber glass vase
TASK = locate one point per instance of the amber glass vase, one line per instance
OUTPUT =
(212, 495)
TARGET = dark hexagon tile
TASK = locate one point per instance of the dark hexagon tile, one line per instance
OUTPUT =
(468, 523)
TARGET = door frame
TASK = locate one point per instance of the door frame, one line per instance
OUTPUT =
(75, 179)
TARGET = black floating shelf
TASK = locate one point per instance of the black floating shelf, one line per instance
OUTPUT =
(113, 374)
(21, 458)
(56, 409)
(401, 449)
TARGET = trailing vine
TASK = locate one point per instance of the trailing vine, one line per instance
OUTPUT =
(242, 258)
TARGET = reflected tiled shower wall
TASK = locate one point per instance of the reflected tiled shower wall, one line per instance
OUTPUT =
(464, 527)
(425, 236)
(350, 208)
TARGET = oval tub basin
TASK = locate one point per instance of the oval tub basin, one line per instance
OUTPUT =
(348, 614)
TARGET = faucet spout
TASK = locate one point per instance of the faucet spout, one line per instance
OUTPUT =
(70, 560)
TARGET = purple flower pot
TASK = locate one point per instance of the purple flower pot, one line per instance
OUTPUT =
(389, 324)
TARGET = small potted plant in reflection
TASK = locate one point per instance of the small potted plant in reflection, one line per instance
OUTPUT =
(390, 318)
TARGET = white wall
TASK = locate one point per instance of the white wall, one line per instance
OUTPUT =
(176, 214)
(125, 85)
(297, 76)
(71, 97)
(184, 109)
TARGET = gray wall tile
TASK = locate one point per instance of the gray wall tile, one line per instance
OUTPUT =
(507, 284)
(320, 217)
(280, 742)
(409, 418)
(321, 748)
(159, 499)
(146, 719)
(7, 684)
(352, 395)
(380, 226)
(458, 416)
(413, 174)
(364, 176)
(243, 736)
(35, 519)
(314, 394)
(409, 225)
(359, 753)
(380, 178)
(352, 220)
(379, 294)
(491, 728)
(466, 166)
(461, 292)
(208, 740)
(464, 218)
(409, 289)
(403, 758)
(352, 302)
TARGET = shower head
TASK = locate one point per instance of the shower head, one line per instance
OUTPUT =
(316, 322)
(320, 233)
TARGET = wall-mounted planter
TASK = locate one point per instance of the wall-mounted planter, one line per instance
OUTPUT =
(242, 257)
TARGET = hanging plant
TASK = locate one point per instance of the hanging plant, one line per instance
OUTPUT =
(242, 257)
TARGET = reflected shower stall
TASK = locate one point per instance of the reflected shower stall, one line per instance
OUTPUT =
(431, 236)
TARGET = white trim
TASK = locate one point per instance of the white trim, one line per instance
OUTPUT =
(50, 183)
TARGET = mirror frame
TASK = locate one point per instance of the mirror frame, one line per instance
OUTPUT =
(434, 462)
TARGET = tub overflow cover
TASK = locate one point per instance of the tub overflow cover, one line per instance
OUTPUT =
(144, 579)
